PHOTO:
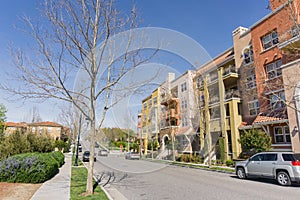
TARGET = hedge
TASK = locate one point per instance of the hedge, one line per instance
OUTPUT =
(30, 167)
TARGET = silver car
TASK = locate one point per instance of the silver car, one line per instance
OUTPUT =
(132, 156)
(282, 166)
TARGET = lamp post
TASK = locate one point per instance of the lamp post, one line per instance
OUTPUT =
(78, 138)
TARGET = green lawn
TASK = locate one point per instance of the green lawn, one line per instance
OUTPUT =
(78, 185)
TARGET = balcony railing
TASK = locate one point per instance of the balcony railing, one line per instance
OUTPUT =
(229, 94)
(214, 99)
(229, 70)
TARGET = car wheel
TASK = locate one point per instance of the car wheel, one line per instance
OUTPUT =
(241, 173)
(283, 178)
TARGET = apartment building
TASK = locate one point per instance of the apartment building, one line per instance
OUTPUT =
(267, 74)
(219, 102)
(150, 119)
(253, 84)
(179, 113)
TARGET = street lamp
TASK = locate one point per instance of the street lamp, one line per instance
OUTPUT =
(77, 149)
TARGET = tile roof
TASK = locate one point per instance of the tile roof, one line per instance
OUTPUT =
(273, 117)
(47, 123)
(24, 124)
(13, 124)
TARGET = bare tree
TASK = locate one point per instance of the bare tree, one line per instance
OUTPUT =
(78, 36)
(33, 115)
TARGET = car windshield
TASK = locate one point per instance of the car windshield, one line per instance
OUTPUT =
(87, 153)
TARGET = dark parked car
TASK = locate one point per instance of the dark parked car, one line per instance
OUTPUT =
(96, 145)
(103, 152)
(86, 156)
(281, 166)
(132, 156)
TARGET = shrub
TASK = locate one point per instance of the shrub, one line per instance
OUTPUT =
(10, 145)
(229, 163)
(30, 167)
(190, 158)
(61, 145)
(59, 156)
(253, 141)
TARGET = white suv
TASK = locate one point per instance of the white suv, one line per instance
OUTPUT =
(282, 166)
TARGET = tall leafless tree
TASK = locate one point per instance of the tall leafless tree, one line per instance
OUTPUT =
(78, 36)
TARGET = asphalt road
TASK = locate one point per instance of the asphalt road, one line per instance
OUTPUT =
(141, 180)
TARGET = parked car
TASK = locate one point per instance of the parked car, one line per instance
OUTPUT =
(86, 156)
(96, 145)
(102, 152)
(132, 156)
(282, 166)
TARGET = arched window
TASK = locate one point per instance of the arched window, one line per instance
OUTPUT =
(248, 54)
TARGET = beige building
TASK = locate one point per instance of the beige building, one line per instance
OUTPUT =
(220, 114)
(53, 129)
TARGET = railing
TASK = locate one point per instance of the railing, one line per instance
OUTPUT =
(229, 69)
(229, 94)
(214, 99)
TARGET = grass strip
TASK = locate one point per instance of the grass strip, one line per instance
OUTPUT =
(78, 185)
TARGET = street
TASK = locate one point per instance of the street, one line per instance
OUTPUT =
(138, 179)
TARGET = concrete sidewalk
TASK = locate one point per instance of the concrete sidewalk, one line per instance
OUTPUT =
(59, 186)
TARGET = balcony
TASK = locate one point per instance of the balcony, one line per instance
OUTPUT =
(230, 94)
(230, 75)
(214, 99)
(171, 114)
(290, 40)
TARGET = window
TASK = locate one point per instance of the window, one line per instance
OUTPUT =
(183, 105)
(33, 130)
(277, 100)
(248, 54)
(282, 134)
(184, 122)
(288, 157)
(270, 40)
(253, 107)
(49, 129)
(215, 112)
(251, 82)
(183, 87)
(145, 106)
(273, 70)
(258, 157)
(155, 100)
(270, 157)
(150, 103)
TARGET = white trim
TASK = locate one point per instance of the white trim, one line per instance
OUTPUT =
(290, 63)
(282, 145)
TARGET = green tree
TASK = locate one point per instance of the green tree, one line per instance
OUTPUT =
(254, 141)
(2, 119)
(14, 143)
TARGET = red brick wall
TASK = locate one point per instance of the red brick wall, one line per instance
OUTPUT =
(280, 22)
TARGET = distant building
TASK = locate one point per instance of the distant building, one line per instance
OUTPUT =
(53, 129)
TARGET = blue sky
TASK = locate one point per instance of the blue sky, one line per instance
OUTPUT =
(210, 23)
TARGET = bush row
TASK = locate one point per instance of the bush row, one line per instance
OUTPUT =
(10, 144)
(190, 158)
(30, 167)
